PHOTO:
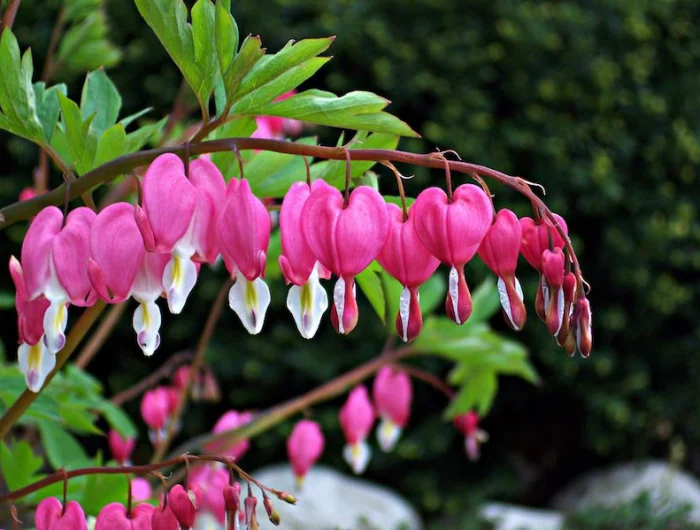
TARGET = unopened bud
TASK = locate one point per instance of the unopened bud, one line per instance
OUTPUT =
(286, 497)
(210, 387)
(273, 515)
(250, 503)
(183, 504)
(582, 325)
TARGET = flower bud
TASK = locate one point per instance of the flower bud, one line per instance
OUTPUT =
(120, 447)
(304, 448)
(272, 514)
(582, 324)
(286, 497)
(183, 505)
(164, 519)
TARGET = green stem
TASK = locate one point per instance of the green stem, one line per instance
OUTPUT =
(77, 333)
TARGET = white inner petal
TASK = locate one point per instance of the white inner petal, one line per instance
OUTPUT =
(560, 309)
(357, 456)
(179, 277)
(250, 301)
(453, 289)
(388, 434)
(146, 321)
(339, 302)
(404, 312)
(55, 320)
(545, 294)
(307, 303)
(36, 364)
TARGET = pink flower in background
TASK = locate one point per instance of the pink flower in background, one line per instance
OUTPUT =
(243, 233)
(120, 447)
(163, 518)
(406, 259)
(50, 515)
(500, 249)
(345, 239)
(27, 194)
(114, 517)
(468, 425)
(304, 447)
(183, 504)
(452, 232)
(356, 420)
(155, 411)
(229, 421)
(141, 490)
(207, 482)
(392, 394)
(274, 127)
(307, 300)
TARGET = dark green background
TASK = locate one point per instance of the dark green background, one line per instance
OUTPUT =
(598, 101)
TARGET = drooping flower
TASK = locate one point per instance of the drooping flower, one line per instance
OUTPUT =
(115, 517)
(50, 515)
(232, 502)
(406, 259)
(392, 394)
(356, 420)
(468, 425)
(244, 234)
(54, 265)
(307, 300)
(183, 504)
(304, 447)
(229, 421)
(452, 232)
(120, 447)
(345, 239)
(565, 337)
(207, 482)
(163, 518)
(116, 252)
(148, 287)
(553, 289)
(500, 249)
(155, 411)
(140, 489)
(582, 325)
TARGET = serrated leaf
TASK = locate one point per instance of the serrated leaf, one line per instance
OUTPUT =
(19, 464)
(358, 110)
(271, 174)
(205, 53)
(249, 54)
(100, 98)
(371, 284)
(48, 107)
(62, 449)
(226, 35)
(81, 144)
(112, 144)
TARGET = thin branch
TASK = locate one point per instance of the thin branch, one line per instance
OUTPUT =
(164, 371)
(8, 19)
(197, 362)
(100, 335)
(77, 333)
(427, 377)
(48, 69)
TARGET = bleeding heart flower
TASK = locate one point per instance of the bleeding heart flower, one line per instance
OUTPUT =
(500, 249)
(207, 482)
(537, 237)
(452, 232)
(54, 265)
(50, 515)
(582, 325)
(356, 420)
(163, 518)
(304, 447)
(36, 363)
(116, 252)
(148, 287)
(406, 259)
(232, 500)
(27, 194)
(114, 517)
(345, 239)
(552, 289)
(468, 425)
(244, 235)
(229, 421)
(392, 394)
(120, 447)
(307, 300)
(155, 411)
(182, 502)
(565, 337)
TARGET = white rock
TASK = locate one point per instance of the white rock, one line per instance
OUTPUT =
(332, 500)
(509, 517)
(665, 484)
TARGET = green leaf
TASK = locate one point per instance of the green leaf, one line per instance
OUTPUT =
(101, 490)
(485, 301)
(85, 46)
(117, 419)
(205, 53)
(7, 300)
(48, 107)
(226, 161)
(271, 174)
(17, 98)
(333, 171)
(249, 54)
(358, 110)
(369, 280)
(226, 34)
(395, 199)
(432, 293)
(112, 144)
(274, 251)
(100, 98)
(76, 10)
(78, 418)
(81, 381)
(477, 393)
(137, 139)
(135, 116)
(81, 144)
(19, 464)
(62, 449)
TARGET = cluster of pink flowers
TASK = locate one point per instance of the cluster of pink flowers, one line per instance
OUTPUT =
(188, 217)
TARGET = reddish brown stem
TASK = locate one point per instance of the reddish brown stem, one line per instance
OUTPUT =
(8, 18)
(427, 377)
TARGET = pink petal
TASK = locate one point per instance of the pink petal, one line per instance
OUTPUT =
(70, 253)
(168, 200)
(210, 191)
(356, 416)
(393, 393)
(297, 260)
(501, 245)
(47, 513)
(72, 519)
(536, 237)
(36, 249)
(304, 446)
(116, 252)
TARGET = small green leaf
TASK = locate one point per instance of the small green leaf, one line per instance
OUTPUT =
(19, 464)
(271, 174)
(226, 35)
(100, 98)
(358, 110)
(395, 199)
(48, 107)
(85, 46)
(81, 144)
(76, 10)
(81, 381)
(370, 282)
(137, 139)
(117, 419)
(477, 393)
(78, 418)
(485, 301)
(101, 490)
(7, 300)
(249, 54)
(205, 53)
(112, 144)
(135, 116)
(62, 449)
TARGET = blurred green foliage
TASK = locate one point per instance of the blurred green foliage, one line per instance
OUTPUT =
(598, 102)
